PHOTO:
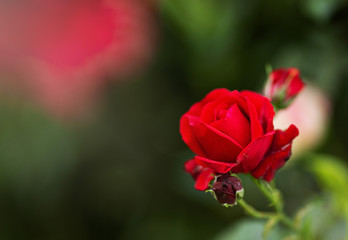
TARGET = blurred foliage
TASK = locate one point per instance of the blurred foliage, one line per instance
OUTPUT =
(332, 175)
(119, 175)
(319, 220)
(248, 229)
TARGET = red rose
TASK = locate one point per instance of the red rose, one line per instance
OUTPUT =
(283, 85)
(233, 131)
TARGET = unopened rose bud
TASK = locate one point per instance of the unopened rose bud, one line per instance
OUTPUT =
(227, 188)
(283, 85)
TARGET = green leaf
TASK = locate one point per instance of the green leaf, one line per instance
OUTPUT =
(292, 237)
(271, 223)
(332, 175)
(302, 213)
(321, 10)
(311, 219)
(249, 229)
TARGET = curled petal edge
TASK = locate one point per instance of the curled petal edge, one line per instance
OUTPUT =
(220, 167)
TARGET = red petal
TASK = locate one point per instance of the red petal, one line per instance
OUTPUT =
(216, 93)
(235, 125)
(220, 167)
(269, 175)
(252, 155)
(192, 168)
(215, 144)
(279, 76)
(285, 79)
(277, 155)
(264, 109)
(296, 84)
(189, 137)
(256, 128)
(196, 109)
(204, 179)
(210, 111)
(271, 164)
(190, 165)
(282, 138)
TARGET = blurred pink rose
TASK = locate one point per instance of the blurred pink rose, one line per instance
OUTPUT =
(62, 49)
(310, 112)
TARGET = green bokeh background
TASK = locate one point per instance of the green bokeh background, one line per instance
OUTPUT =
(120, 175)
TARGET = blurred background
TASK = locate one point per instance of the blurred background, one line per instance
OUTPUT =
(91, 93)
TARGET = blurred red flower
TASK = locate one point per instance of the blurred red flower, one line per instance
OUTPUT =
(65, 48)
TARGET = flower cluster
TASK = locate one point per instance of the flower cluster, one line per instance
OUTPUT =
(233, 132)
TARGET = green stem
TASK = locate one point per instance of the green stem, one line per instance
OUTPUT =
(271, 194)
(252, 211)
(274, 196)
(287, 221)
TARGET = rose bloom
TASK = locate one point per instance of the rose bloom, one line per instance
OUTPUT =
(310, 111)
(64, 49)
(233, 131)
(283, 85)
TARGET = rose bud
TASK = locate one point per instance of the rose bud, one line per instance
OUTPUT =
(233, 131)
(227, 188)
(283, 85)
